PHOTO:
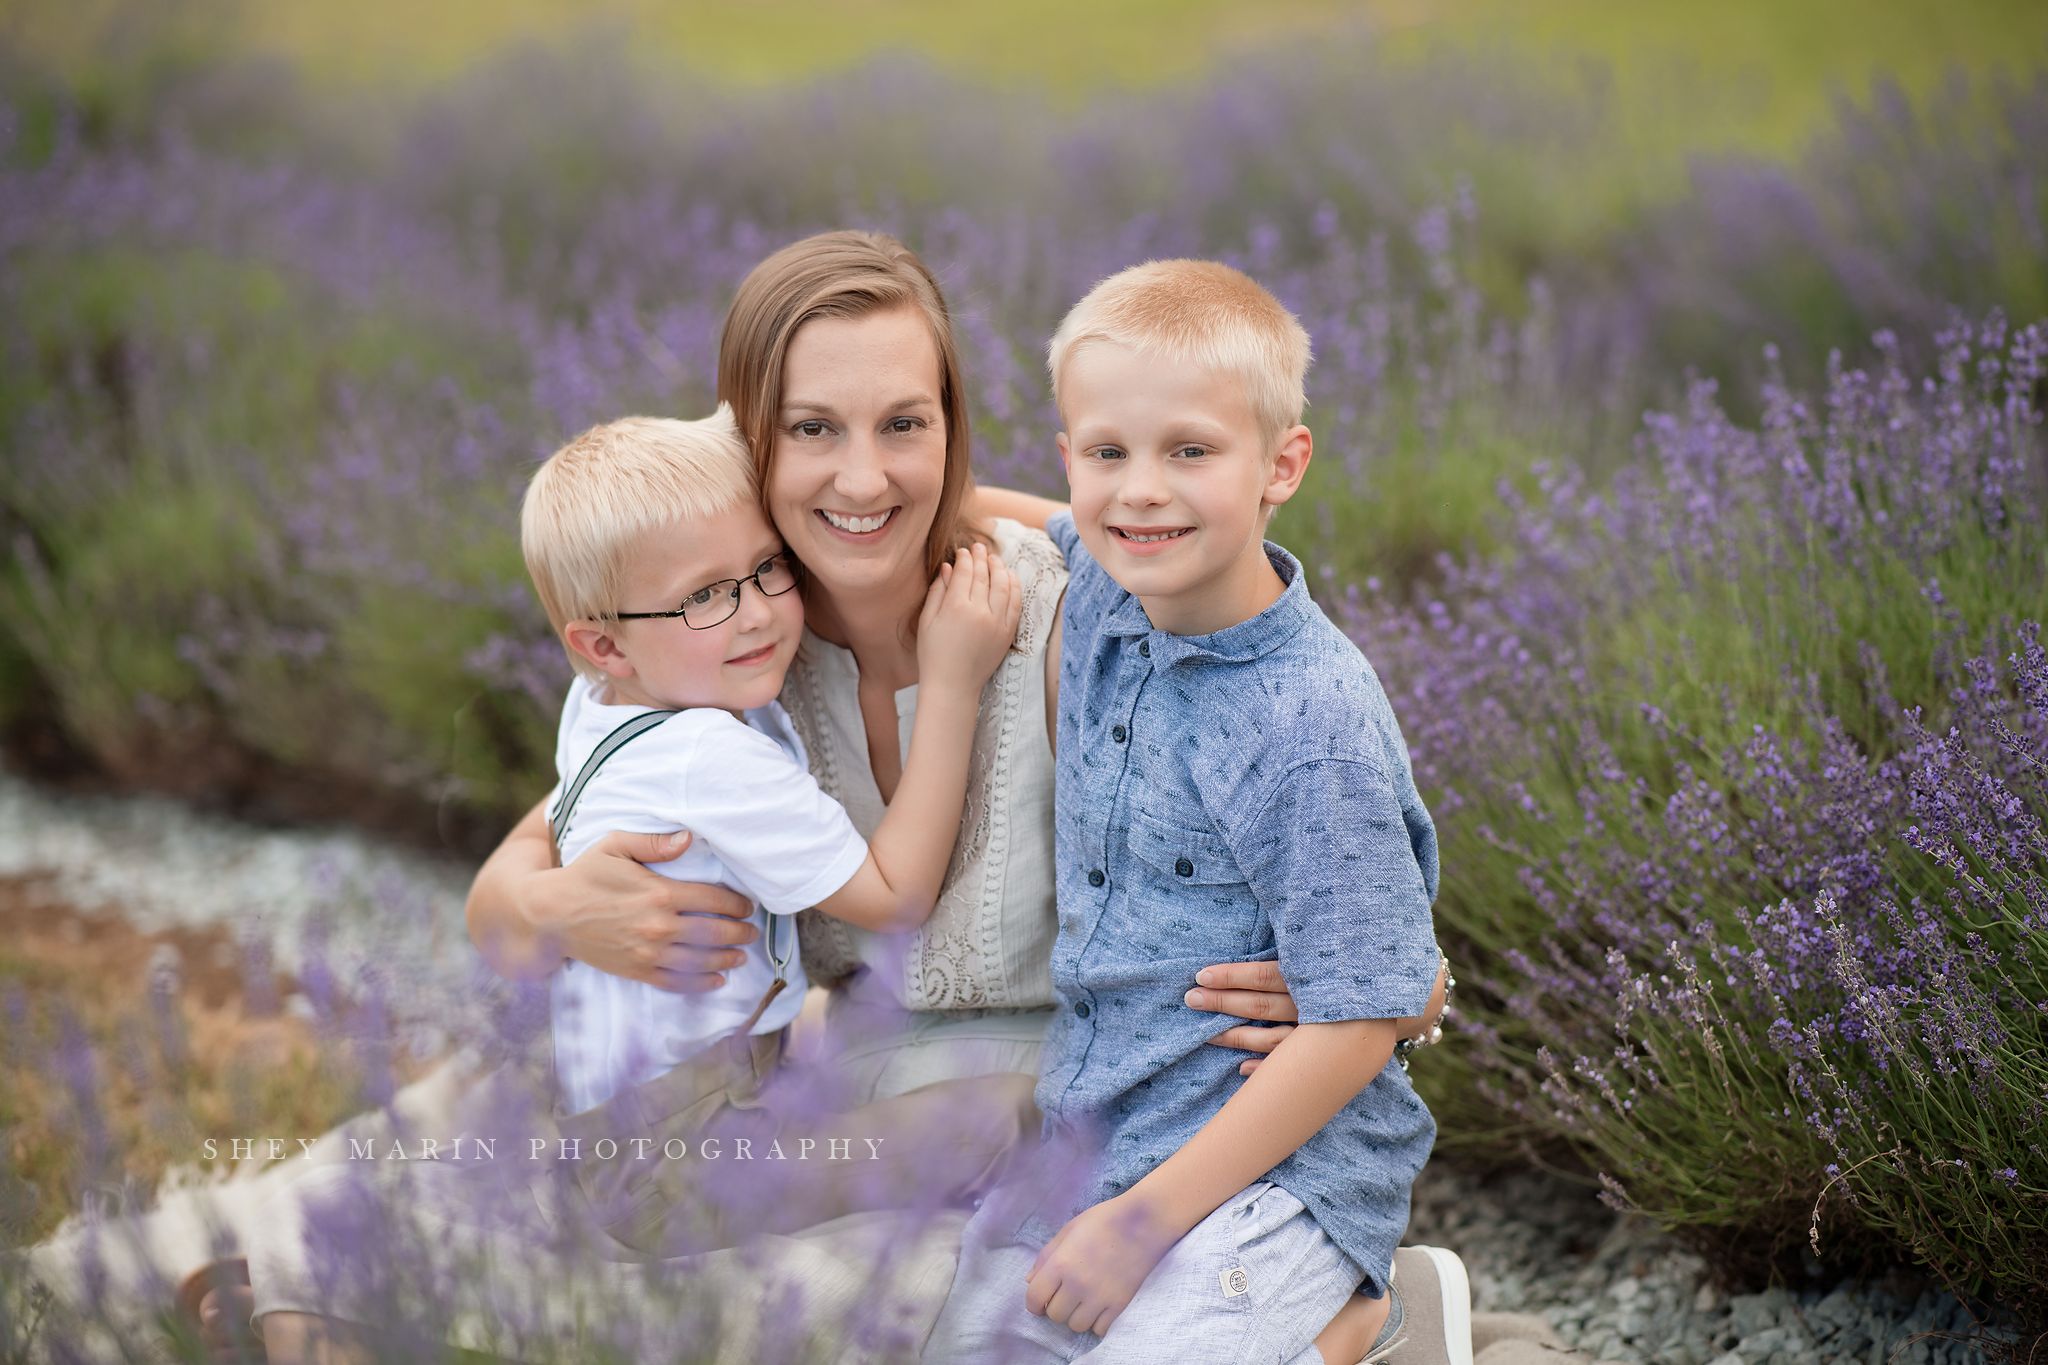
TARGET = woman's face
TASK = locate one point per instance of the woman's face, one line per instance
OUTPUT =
(860, 453)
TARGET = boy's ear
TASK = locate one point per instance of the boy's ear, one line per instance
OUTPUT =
(593, 641)
(1066, 457)
(1283, 480)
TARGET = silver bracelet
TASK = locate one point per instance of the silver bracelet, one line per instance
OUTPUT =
(1435, 1032)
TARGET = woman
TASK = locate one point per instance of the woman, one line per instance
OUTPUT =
(839, 361)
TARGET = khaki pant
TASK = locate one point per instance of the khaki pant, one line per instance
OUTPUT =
(709, 1153)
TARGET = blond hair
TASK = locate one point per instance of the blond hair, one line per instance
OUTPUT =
(1199, 313)
(597, 499)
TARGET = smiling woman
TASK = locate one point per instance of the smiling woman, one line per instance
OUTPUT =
(859, 441)
(852, 399)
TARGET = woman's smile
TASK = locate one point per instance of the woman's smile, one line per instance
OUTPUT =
(852, 524)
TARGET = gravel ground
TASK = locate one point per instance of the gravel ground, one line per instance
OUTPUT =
(361, 904)
(1613, 1287)
(1618, 1289)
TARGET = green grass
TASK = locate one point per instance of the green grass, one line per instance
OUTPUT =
(1751, 73)
(178, 533)
(1394, 518)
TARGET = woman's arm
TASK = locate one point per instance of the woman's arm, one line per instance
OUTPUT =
(1254, 990)
(526, 915)
(1028, 508)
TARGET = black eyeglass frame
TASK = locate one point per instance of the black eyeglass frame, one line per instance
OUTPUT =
(731, 599)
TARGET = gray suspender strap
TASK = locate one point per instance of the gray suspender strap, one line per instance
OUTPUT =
(774, 987)
(565, 807)
(558, 818)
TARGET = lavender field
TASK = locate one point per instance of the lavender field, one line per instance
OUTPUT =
(1703, 552)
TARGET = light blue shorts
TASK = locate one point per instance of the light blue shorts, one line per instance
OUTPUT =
(1252, 1284)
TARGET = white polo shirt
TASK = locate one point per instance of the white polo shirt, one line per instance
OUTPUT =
(762, 827)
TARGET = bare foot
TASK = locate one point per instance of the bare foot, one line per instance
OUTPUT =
(1351, 1333)
(215, 1302)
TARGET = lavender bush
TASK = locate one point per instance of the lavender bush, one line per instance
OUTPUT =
(1683, 711)
(419, 1215)
(1876, 1052)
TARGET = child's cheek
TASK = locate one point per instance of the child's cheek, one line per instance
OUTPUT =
(1089, 508)
(789, 611)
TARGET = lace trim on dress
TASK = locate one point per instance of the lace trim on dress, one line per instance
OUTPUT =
(961, 958)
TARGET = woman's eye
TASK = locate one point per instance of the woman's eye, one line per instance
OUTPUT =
(902, 425)
(810, 429)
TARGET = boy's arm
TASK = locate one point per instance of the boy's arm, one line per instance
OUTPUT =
(969, 622)
(1088, 1273)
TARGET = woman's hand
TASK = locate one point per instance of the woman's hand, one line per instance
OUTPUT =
(1249, 990)
(605, 909)
(1255, 990)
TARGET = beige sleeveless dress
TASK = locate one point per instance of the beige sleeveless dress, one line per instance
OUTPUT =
(970, 992)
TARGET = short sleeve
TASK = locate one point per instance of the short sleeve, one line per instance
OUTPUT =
(1090, 589)
(784, 842)
(1332, 858)
(1060, 527)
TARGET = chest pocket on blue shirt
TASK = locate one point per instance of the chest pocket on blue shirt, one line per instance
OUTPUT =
(1189, 856)
(1206, 898)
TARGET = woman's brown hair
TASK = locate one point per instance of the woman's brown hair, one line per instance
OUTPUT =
(843, 275)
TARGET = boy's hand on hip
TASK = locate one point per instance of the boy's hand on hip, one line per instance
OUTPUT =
(969, 621)
(1090, 1271)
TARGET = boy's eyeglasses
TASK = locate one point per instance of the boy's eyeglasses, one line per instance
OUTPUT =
(715, 603)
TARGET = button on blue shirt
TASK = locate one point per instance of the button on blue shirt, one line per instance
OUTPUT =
(1223, 798)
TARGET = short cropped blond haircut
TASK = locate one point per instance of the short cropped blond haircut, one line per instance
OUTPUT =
(597, 499)
(1202, 313)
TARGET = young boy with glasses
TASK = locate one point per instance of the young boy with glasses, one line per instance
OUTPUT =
(673, 596)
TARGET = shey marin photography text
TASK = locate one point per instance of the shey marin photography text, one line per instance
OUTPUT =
(554, 1150)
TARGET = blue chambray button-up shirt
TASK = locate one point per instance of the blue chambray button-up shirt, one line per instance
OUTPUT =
(1222, 798)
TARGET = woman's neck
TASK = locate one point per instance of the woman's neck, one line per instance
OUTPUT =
(875, 625)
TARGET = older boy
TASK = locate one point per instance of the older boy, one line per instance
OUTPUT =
(1231, 784)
